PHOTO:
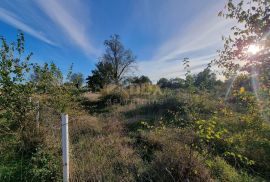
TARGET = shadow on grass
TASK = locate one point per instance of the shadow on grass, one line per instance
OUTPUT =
(146, 148)
(95, 107)
(155, 109)
(170, 112)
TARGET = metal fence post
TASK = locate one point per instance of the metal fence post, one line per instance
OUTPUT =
(65, 147)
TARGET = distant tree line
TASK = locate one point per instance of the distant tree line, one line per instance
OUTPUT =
(137, 80)
(205, 79)
(117, 61)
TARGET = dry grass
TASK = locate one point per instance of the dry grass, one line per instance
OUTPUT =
(100, 149)
(91, 96)
(103, 150)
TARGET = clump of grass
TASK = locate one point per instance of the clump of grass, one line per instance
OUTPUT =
(168, 158)
(224, 172)
(113, 94)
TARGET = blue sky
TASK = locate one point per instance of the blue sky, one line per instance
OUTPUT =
(159, 32)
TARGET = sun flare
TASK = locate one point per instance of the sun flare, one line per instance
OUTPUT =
(253, 49)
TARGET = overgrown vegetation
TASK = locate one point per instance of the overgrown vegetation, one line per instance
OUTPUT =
(124, 128)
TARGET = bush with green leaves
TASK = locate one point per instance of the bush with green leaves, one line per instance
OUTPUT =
(22, 141)
(46, 77)
(44, 166)
(16, 109)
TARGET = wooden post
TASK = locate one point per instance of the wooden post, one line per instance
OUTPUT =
(65, 147)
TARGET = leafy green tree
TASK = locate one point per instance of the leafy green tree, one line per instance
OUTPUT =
(16, 108)
(205, 79)
(252, 30)
(249, 45)
(101, 76)
(173, 83)
(141, 80)
(163, 82)
(176, 83)
(21, 139)
(120, 59)
(246, 51)
(46, 77)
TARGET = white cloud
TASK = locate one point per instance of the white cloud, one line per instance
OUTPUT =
(201, 36)
(67, 17)
(202, 32)
(12, 20)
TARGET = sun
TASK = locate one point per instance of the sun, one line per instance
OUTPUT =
(253, 49)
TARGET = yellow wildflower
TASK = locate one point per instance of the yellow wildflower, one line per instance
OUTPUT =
(242, 90)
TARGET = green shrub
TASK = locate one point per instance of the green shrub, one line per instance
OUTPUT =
(45, 166)
(243, 101)
(42, 165)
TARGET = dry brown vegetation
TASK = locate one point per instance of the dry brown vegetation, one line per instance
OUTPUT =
(140, 141)
(107, 146)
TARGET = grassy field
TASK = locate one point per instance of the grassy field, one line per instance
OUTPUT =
(114, 136)
(202, 126)
(158, 141)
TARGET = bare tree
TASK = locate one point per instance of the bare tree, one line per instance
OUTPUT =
(121, 59)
